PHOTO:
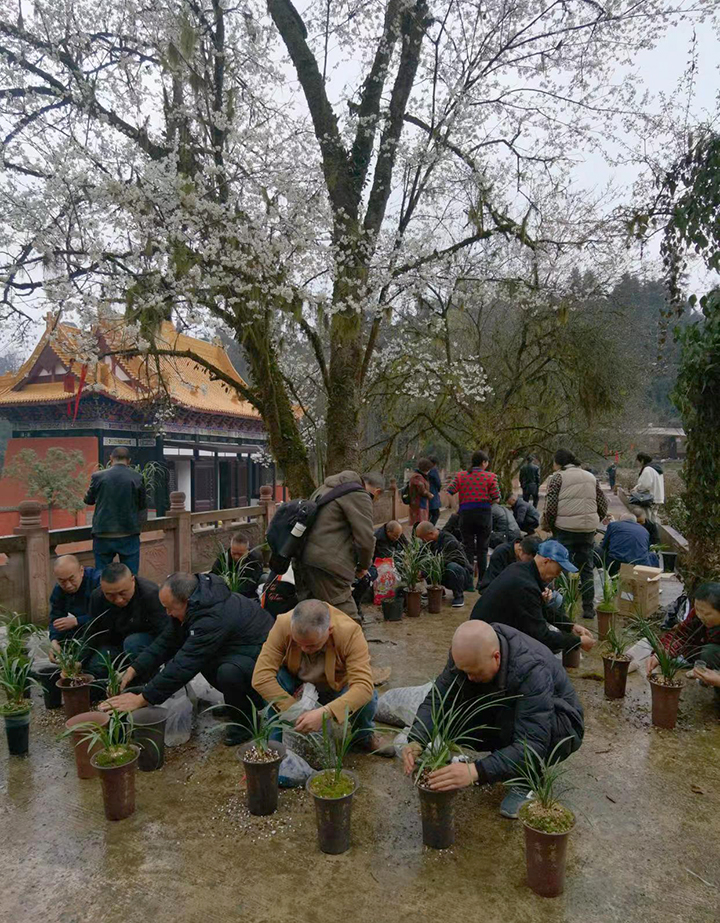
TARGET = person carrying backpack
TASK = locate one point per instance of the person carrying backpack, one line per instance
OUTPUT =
(340, 543)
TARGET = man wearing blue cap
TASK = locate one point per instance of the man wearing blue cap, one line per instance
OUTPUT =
(515, 598)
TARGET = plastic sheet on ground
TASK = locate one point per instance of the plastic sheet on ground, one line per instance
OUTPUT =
(399, 706)
(200, 690)
(179, 720)
(294, 771)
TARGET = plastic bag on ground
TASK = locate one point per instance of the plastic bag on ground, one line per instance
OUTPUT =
(386, 581)
(179, 719)
(200, 690)
(302, 744)
(294, 771)
(401, 741)
(399, 706)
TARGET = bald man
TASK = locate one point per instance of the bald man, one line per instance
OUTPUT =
(536, 703)
(457, 573)
(389, 539)
(70, 598)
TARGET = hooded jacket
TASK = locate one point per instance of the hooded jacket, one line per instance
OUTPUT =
(651, 481)
(217, 625)
(342, 539)
(543, 707)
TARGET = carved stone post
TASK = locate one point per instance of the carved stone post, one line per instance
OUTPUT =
(267, 502)
(182, 557)
(37, 561)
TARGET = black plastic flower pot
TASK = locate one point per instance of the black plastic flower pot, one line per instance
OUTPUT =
(571, 658)
(262, 779)
(149, 735)
(333, 817)
(17, 729)
(392, 609)
(438, 818)
(48, 676)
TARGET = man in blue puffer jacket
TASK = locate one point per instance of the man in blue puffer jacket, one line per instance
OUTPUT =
(536, 703)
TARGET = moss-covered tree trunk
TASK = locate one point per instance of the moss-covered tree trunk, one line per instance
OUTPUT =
(697, 397)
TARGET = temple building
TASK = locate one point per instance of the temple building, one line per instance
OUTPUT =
(166, 409)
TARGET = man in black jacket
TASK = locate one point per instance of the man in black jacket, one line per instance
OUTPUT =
(125, 616)
(211, 631)
(389, 539)
(118, 494)
(457, 573)
(522, 549)
(526, 516)
(242, 565)
(529, 476)
(515, 598)
(530, 699)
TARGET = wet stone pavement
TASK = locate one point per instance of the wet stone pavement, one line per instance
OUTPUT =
(646, 846)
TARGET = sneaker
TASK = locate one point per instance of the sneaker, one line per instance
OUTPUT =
(588, 613)
(458, 601)
(513, 801)
(373, 743)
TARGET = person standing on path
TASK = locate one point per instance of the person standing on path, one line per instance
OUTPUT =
(529, 476)
(339, 546)
(118, 495)
(420, 493)
(477, 490)
(435, 483)
(651, 483)
(574, 508)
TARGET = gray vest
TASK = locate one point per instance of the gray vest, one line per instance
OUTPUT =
(577, 503)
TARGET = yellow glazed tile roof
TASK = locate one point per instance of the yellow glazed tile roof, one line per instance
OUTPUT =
(132, 379)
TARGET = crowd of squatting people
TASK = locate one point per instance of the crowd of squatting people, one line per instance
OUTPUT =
(258, 647)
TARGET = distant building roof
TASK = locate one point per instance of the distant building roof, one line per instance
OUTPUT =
(53, 371)
(664, 431)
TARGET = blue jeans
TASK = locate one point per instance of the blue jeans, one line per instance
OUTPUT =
(362, 720)
(132, 646)
(126, 548)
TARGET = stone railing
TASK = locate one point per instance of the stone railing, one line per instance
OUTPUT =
(180, 541)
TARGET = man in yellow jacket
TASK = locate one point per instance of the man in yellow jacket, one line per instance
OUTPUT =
(318, 644)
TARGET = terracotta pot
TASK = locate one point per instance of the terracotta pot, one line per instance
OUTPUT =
(616, 674)
(262, 780)
(665, 702)
(438, 818)
(333, 818)
(118, 787)
(82, 749)
(435, 598)
(413, 604)
(604, 620)
(545, 855)
(571, 658)
(76, 699)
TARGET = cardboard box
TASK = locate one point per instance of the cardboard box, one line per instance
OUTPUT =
(638, 590)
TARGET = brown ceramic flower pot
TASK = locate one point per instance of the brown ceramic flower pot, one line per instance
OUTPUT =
(76, 699)
(438, 818)
(665, 702)
(118, 786)
(413, 603)
(571, 658)
(604, 620)
(262, 780)
(545, 856)
(81, 748)
(435, 598)
(616, 674)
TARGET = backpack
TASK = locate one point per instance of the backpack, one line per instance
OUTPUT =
(292, 522)
(405, 494)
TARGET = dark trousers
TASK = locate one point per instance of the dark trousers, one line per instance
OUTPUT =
(233, 677)
(132, 645)
(581, 546)
(531, 494)
(127, 548)
(434, 515)
(454, 577)
(476, 526)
